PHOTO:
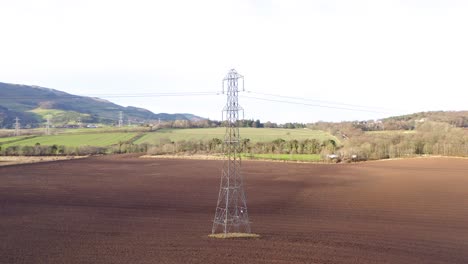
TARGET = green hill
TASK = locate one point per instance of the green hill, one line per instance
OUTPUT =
(32, 104)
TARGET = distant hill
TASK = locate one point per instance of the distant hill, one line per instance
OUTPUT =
(455, 118)
(32, 104)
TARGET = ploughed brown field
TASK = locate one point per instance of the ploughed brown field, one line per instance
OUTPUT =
(120, 209)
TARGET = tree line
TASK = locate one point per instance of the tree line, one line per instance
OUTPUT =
(215, 146)
(166, 146)
(207, 123)
(428, 138)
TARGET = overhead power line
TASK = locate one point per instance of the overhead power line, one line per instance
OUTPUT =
(321, 101)
(262, 96)
(316, 105)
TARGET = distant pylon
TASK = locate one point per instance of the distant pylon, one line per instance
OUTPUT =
(120, 119)
(47, 130)
(231, 211)
(79, 122)
(17, 127)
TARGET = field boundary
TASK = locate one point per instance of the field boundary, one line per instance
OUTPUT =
(208, 157)
(19, 160)
(416, 157)
(16, 140)
(212, 157)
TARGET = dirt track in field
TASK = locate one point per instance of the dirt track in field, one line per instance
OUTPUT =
(119, 209)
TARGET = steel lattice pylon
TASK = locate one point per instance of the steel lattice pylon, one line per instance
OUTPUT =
(231, 211)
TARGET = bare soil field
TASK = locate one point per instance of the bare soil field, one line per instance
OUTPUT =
(121, 209)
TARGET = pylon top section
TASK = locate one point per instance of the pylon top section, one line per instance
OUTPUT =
(231, 80)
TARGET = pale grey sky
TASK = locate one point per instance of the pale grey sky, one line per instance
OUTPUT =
(401, 56)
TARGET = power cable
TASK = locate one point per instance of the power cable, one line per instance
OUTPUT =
(320, 101)
(315, 105)
(326, 104)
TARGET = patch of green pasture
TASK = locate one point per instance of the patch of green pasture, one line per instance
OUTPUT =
(8, 139)
(76, 140)
(103, 129)
(254, 134)
(45, 112)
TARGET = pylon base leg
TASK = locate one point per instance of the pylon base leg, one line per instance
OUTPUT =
(233, 235)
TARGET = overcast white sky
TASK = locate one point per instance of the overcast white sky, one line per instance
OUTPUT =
(401, 55)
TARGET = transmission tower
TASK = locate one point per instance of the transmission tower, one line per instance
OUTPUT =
(120, 119)
(17, 127)
(47, 131)
(79, 122)
(231, 211)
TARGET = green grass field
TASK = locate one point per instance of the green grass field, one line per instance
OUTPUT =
(52, 112)
(8, 139)
(102, 129)
(254, 134)
(75, 140)
(101, 137)
(286, 157)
